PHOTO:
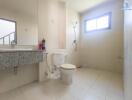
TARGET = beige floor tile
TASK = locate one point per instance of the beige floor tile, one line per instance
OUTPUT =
(88, 84)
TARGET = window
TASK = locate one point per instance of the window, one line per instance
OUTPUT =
(7, 31)
(98, 23)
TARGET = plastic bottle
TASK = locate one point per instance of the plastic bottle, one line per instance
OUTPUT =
(43, 44)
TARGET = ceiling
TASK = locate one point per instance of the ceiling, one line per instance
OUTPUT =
(82, 5)
(30, 6)
(22, 6)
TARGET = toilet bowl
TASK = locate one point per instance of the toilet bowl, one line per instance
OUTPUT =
(66, 70)
(67, 73)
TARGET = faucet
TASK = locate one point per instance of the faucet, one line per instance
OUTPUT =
(13, 43)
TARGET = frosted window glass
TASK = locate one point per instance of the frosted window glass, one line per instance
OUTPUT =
(91, 25)
(103, 22)
(98, 23)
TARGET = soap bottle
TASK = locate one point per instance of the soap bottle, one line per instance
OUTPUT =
(43, 45)
(40, 46)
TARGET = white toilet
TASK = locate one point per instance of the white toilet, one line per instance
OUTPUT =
(66, 70)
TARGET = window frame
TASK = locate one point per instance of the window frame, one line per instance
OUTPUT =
(95, 18)
(15, 38)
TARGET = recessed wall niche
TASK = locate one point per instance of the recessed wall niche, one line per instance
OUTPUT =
(62, 25)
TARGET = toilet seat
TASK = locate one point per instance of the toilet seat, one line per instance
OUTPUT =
(68, 66)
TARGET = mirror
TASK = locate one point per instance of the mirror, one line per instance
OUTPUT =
(24, 13)
(7, 31)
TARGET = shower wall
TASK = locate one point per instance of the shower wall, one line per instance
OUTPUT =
(103, 49)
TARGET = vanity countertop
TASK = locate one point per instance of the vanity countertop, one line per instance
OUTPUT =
(20, 50)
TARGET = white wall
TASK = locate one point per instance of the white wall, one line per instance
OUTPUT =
(128, 53)
(103, 49)
(71, 17)
(48, 28)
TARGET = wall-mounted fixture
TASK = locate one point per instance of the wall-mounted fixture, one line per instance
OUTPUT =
(126, 5)
(74, 24)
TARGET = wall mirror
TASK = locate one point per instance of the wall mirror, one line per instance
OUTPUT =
(7, 31)
(24, 13)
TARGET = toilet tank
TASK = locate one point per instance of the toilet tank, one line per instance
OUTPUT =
(59, 58)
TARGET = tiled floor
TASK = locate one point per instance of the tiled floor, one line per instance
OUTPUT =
(89, 84)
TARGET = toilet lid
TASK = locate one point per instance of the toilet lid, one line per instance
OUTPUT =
(68, 66)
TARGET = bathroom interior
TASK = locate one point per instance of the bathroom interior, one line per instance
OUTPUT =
(65, 49)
